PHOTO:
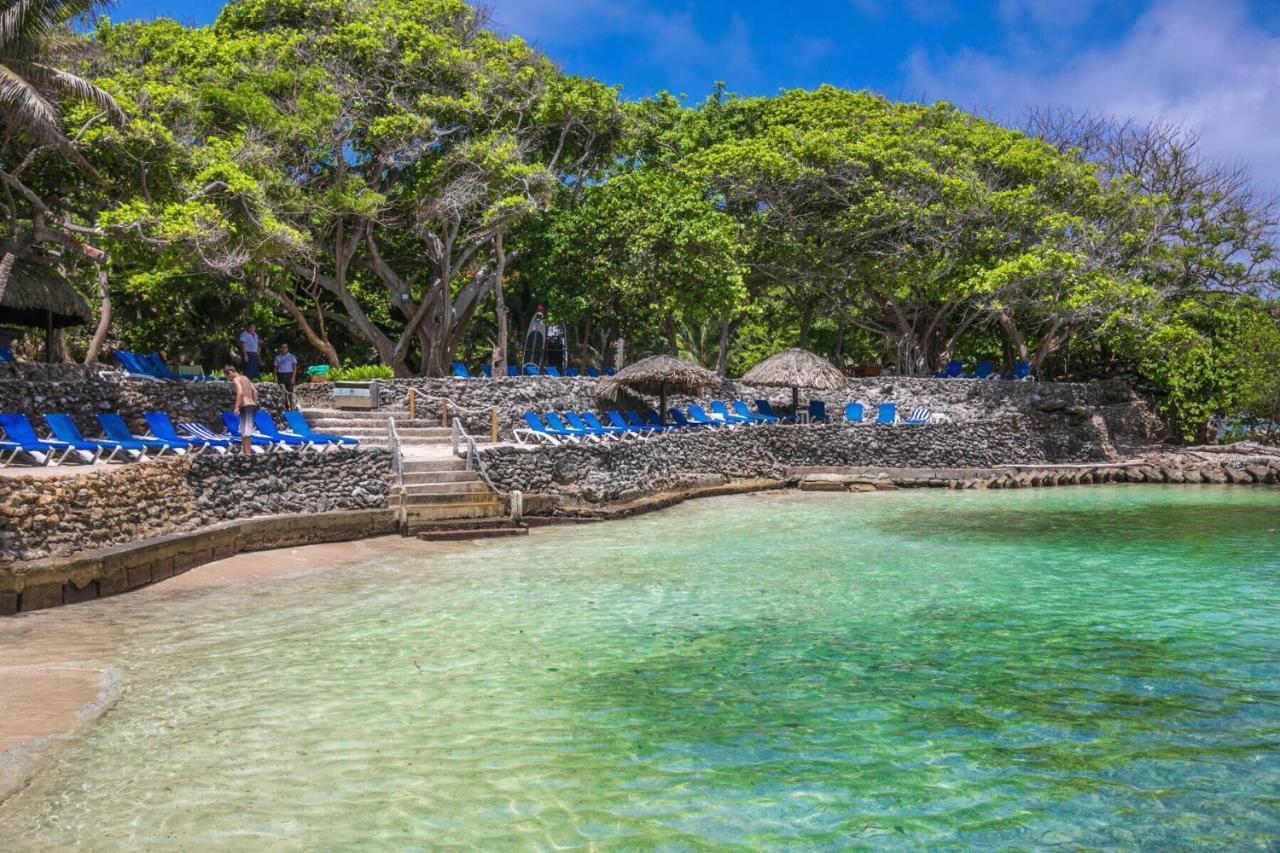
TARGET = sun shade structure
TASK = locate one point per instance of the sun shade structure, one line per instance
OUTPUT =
(35, 295)
(796, 369)
(660, 374)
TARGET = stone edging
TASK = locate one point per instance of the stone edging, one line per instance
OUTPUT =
(54, 581)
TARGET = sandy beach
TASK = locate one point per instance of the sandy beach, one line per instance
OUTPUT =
(57, 665)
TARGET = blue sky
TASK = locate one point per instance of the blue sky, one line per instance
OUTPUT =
(1212, 65)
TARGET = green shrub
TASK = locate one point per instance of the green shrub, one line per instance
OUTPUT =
(361, 372)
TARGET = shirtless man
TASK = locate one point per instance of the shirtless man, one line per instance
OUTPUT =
(246, 405)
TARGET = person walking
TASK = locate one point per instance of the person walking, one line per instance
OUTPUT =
(246, 406)
(249, 351)
(286, 366)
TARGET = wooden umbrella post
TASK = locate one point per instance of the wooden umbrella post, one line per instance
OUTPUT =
(662, 404)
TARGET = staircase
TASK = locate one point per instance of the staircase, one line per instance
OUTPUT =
(442, 500)
(371, 427)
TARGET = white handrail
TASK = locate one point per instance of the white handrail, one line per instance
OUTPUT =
(472, 455)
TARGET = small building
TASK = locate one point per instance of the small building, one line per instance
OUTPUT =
(35, 295)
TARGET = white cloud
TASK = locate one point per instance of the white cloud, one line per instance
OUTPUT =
(1206, 66)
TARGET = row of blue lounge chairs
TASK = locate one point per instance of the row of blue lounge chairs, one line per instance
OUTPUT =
(66, 443)
(153, 367)
(461, 371)
(556, 428)
(984, 370)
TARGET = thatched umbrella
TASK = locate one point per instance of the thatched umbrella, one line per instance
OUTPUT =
(796, 369)
(35, 295)
(656, 375)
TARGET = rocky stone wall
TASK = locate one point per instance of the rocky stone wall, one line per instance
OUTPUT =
(86, 396)
(952, 400)
(50, 516)
(619, 471)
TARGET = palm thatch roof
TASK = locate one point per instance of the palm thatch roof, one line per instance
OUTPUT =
(659, 374)
(796, 368)
(33, 291)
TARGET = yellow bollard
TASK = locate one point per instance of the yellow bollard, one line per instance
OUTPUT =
(413, 402)
(493, 424)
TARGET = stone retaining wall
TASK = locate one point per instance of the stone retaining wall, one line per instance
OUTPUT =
(619, 471)
(84, 397)
(52, 516)
(1129, 421)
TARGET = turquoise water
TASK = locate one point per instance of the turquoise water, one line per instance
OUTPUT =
(1074, 668)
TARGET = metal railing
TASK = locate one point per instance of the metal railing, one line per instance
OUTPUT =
(465, 446)
(397, 458)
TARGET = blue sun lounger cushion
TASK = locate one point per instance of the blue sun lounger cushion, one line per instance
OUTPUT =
(854, 414)
(65, 429)
(114, 427)
(19, 431)
(298, 423)
(887, 413)
(162, 427)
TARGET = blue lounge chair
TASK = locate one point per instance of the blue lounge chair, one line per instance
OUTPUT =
(159, 368)
(610, 371)
(512, 370)
(650, 418)
(719, 407)
(487, 369)
(1021, 371)
(918, 416)
(11, 450)
(593, 420)
(267, 426)
(763, 407)
(114, 428)
(162, 427)
(699, 416)
(195, 431)
(232, 422)
(133, 367)
(65, 429)
(953, 370)
(557, 426)
(593, 372)
(818, 412)
(572, 372)
(854, 414)
(6, 355)
(552, 370)
(541, 432)
(531, 370)
(679, 419)
(616, 419)
(887, 413)
(19, 431)
(575, 422)
(985, 370)
(741, 410)
(298, 423)
(460, 371)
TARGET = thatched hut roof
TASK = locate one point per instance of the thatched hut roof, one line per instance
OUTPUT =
(33, 290)
(796, 368)
(659, 373)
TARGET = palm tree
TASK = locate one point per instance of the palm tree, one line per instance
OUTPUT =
(31, 31)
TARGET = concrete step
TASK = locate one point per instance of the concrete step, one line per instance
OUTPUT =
(422, 466)
(427, 513)
(358, 414)
(470, 533)
(443, 494)
(421, 478)
(427, 490)
(339, 423)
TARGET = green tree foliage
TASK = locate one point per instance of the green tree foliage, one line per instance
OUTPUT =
(351, 157)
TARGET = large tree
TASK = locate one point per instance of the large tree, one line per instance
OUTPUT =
(372, 150)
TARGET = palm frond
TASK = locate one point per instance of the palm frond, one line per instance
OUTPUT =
(49, 78)
(24, 106)
(25, 23)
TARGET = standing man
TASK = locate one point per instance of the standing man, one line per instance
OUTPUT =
(246, 406)
(249, 351)
(287, 373)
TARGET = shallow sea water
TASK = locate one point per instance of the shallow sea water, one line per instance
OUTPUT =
(1094, 667)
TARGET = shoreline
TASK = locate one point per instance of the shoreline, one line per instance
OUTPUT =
(59, 665)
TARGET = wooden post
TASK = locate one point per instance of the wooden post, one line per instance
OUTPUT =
(413, 402)
(493, 424)
(444, 413)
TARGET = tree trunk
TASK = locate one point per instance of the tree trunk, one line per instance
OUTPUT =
(584, 346)
(672, 341)
(104, 318)
(1013, 336)
(500, 301)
